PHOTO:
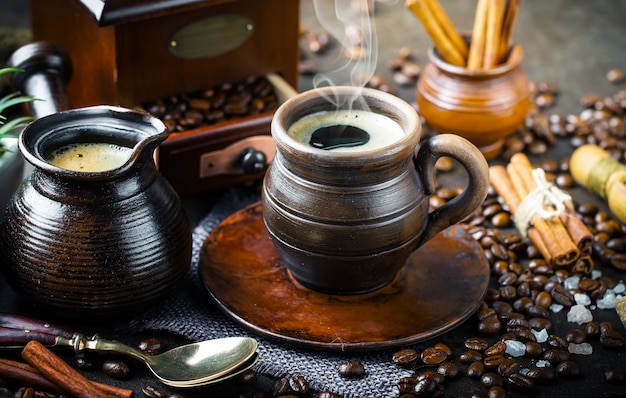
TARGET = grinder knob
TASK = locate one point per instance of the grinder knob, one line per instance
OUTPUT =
(253, 161)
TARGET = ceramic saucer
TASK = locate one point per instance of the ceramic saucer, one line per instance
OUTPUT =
(441, 286)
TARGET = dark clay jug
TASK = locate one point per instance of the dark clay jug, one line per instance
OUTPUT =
(94, 244)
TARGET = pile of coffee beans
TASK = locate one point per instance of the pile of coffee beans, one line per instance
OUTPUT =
(228, 101)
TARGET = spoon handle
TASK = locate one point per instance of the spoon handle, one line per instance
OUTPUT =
(16, 331)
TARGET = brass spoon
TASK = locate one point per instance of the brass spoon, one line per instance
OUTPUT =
(187, 366)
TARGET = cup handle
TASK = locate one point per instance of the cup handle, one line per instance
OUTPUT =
(475, 192)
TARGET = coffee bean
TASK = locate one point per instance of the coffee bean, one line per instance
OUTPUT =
(615, 76)
(476, 344)
(280, 387)
(328, 394)
(449, 370)
(247, 377)
(493, 361)
(556, 355)
(491, 379)
(475, 370)
(509, 367)
(592, 329)
(425, 388)
(406, 385)
(575, 336)
(562, 296)
(444, 348)
(614, 375)
(433, 356)
(618, 260)
(86, 361)
(153, 392)
(533, 349)
(568, 369)
(611, 339)
(519, 382)
(351, 370)
(540, 324)
(150, 346)
(543, 375)
(406, 357)
(490, 326)
(470, 356)
(298, 384)
(496, 392)
(498, 348)
(116, 368)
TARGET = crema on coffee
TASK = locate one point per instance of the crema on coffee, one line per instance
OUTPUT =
(346, 130)
(90, 157)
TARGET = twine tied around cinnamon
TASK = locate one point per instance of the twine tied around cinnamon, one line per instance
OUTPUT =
(545, 201)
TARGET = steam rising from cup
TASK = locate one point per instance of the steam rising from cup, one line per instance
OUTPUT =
(350, 22)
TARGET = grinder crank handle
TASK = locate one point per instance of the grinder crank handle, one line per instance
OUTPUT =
(16, 331)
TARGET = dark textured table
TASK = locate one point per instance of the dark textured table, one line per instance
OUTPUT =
(570, 43)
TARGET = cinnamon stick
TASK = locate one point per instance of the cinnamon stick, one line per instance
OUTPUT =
(501, 182)
(477, 44)
(25, 374)
(59, 372)
(510, 15)
(581, 235)
(447, 51)
(495, 16)
(446, 25)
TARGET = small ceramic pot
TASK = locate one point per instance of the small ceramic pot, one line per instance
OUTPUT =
(94, 244)
(484, 106)
(346, 222)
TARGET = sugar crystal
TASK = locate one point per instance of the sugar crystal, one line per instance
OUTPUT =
(556, 307)
(571, 282)
(582, 348)
(607, 301)
(579, 314)
(582, 299)
(515, 348)
(541, 335)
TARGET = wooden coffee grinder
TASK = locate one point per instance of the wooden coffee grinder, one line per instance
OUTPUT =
(139, 52)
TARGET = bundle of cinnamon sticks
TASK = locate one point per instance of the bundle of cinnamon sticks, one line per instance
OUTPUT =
(563, 240)
(491, 33)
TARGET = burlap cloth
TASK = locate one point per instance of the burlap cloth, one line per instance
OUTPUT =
(190, 312)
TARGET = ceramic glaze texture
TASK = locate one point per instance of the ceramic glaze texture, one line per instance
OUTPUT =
(345, 222)
(484, 106)
(94, 244)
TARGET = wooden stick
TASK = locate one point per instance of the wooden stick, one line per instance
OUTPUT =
(510, 15)
(446, 25)
(444, 46)
(25, 374)
(501, 182)
(495, 17)
(477, 45)
(59, 372)
(581, 235)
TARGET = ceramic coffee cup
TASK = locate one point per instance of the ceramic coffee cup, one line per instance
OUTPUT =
(345, 220)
